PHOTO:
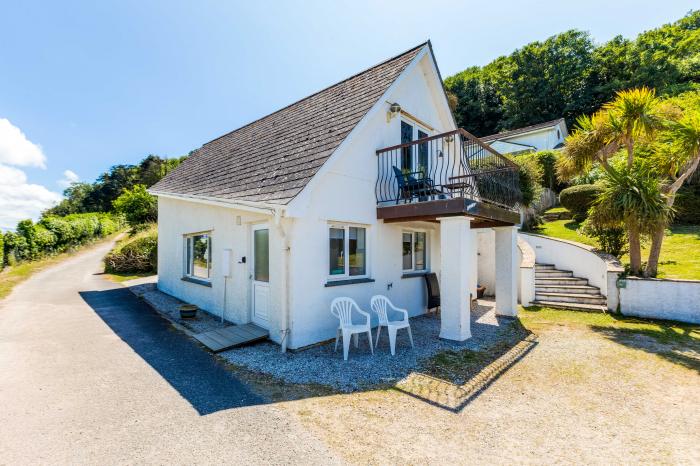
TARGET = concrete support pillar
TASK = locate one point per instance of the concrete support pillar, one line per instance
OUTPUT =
(506, 271)
(473, 263)
(457, 250)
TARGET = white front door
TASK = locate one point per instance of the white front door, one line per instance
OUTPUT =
(261, 275)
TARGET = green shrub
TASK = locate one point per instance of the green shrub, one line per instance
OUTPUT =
(547, 160)
(530, 177)
(611, 240)
(137, 205)
(16, 248)
(136, 254)
(578, 199)
(687, 205)
(2, 251)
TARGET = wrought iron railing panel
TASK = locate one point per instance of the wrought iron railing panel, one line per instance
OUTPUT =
(445, 166)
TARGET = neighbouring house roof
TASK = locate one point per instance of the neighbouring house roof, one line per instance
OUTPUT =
(271, 159)
(523, 130)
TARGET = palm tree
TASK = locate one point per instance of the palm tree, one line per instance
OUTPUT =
(679, 157)
(632, 116)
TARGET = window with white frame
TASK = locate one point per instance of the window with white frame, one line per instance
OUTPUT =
(347, 251)
(414, 247)
(198, 255)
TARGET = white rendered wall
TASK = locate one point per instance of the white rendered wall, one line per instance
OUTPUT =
(507, 271)
(177, 218)
(661, 299)
(344, 192)
(541, 140)
(486, 264)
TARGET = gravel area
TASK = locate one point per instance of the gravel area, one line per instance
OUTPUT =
(322, 365)
(169, 307)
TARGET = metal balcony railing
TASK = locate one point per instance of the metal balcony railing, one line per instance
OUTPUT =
(446, 166)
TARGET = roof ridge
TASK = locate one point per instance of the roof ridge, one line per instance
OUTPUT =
(395, 57)
(524, 128)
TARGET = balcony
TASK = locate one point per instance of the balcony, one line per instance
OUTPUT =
(453, 173)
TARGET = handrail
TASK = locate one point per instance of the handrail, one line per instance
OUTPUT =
(452, 164)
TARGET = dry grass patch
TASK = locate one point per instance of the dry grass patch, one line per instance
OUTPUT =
(577, 396)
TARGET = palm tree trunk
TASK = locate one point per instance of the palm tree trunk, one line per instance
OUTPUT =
(655, 252)
(658, 238)
(635, 250)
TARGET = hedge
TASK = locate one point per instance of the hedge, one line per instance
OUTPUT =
(136, 254)
(54, 234)
(687, 205)
(578, 199)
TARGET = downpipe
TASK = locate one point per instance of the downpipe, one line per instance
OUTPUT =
(284, 325)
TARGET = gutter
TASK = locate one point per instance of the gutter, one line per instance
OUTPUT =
(250, 206)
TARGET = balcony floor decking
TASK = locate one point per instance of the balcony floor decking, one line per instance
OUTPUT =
(485, 215)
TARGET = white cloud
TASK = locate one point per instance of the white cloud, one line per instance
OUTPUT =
(20, 200)
(16, 149)
(69, 177)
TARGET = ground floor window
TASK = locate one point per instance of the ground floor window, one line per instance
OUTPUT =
(198, 255)
(414, 257)
(347, 248)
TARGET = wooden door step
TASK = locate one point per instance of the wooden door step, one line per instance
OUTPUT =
(229, 337)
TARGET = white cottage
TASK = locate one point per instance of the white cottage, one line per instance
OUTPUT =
(542, 136)
(357, 190)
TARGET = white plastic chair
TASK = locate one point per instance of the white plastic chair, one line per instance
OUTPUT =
(342, 309)
(381, 305)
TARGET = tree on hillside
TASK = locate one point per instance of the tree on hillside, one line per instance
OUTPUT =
(153, 168)
(137, 206)
(546, 80)
(100, 195)
(478, 106)
(567, 75)
(75, 200)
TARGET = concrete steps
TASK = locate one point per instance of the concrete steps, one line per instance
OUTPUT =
(560, 289)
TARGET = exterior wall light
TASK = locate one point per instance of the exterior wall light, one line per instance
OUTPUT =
(394, 109)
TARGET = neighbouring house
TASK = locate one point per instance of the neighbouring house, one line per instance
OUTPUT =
(359, 189)
(534, 138)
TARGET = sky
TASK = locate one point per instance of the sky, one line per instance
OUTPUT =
(86, 85)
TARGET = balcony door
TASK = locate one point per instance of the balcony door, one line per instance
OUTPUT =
(414, 158)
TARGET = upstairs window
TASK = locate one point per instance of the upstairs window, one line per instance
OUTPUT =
(198, 256)
(347, 251)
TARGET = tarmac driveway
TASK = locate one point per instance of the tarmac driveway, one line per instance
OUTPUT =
(92, 375)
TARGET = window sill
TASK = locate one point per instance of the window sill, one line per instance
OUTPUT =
(415, 274)
(198, 281)
(349, 281)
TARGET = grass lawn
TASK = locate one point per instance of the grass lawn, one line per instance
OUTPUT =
(680, 253)
(536, 318)
(119, 278)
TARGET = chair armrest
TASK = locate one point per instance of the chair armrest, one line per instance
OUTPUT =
(398, 309)
(366, 314)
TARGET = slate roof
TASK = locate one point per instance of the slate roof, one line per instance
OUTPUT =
(525, 129)
(272, 159)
